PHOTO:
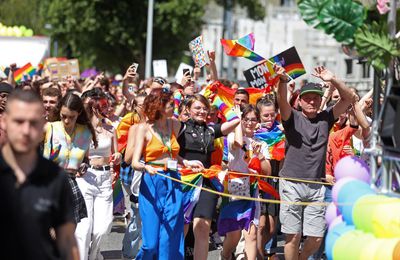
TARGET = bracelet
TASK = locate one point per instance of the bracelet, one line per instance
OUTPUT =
(325, 97)
(354, 126)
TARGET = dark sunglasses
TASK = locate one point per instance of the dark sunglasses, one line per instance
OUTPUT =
(159, 80)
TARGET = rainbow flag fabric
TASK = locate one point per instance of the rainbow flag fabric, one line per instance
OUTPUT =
(275, 139)
(290, 60)
(243, 47)
(26, 70)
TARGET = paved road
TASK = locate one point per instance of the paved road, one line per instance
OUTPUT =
(112, 244)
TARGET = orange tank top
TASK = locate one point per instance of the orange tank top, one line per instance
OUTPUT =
(155, 148)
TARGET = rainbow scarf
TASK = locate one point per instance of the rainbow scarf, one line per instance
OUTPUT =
(27, 69)
(275, 139)
(178, 96)
(243, 47)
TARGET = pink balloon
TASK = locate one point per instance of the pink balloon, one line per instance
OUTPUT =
(338, 185)
(331, 213)
(335, 222)
(352, 166)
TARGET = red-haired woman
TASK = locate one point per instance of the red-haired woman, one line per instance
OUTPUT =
(160, 198)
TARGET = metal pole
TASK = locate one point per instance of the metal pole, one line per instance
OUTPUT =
(229, 28)
(149, 38)
(387, 175)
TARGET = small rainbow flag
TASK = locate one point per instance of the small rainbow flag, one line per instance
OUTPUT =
(243, 47)
(290, 61)
(27, 69)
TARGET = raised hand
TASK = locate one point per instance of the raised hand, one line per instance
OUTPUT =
(322, 73)
(130, 74)
(211, 56)
(281, 73)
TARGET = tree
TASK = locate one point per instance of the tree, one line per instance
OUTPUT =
(112, 34)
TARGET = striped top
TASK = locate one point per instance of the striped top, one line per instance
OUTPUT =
(65, 150)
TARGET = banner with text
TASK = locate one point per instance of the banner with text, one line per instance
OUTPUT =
(261, 75)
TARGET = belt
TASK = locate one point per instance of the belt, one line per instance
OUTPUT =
(101, 168)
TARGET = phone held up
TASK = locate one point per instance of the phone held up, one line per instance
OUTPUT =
(135, 66)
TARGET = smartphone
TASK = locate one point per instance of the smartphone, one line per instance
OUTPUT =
(135, 66)
(185, 71)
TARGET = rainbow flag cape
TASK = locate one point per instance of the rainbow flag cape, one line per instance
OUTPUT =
(290, 60)
(123, 129)
(275, 139)
(27, 69)
(243, 47)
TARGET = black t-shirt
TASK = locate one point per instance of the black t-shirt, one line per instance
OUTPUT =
(197, 141)
(306, 144)
(43, 201)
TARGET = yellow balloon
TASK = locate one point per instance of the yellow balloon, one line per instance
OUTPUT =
(386, 219)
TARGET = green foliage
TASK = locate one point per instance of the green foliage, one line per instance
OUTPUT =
(372, 41)
(342, 18)
(310, 10)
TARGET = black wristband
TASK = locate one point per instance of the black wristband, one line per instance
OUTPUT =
(354, 126)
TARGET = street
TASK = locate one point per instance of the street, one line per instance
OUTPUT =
(112, 244)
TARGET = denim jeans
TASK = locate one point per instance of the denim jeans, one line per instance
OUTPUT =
(133, 235)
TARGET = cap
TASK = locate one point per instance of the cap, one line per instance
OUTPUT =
(5, 87)
(311, 87)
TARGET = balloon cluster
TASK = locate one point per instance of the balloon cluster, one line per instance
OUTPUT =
(16, 31)
(361, 223)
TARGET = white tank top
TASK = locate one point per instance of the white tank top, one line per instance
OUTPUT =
(103, 147)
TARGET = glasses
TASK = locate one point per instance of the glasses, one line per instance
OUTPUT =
(159, 80)
(166, 90)
(250, 120)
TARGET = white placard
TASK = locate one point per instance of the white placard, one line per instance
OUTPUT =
(179, 72)
(160, 68)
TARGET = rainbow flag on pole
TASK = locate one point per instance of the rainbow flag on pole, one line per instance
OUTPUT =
(290, 61)
(27, 69)
(243, 47)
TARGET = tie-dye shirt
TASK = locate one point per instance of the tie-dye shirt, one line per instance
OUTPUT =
(65, 150)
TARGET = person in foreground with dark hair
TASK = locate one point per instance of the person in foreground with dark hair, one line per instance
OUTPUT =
(36, 194)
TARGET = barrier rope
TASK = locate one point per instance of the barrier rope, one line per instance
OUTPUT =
(273, 177)
(300, 203)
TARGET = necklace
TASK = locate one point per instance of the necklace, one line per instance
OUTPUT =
(165, 137)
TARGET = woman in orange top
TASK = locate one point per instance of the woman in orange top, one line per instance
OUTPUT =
(160, 199)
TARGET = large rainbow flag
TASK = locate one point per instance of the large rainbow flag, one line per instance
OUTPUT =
(27, 69)
(242, 47)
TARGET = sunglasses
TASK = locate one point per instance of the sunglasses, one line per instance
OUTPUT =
(159, 80)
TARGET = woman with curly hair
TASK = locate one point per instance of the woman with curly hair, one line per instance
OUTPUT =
(67, 142)
(160, 198)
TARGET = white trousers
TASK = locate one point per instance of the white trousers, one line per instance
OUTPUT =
(97, 191)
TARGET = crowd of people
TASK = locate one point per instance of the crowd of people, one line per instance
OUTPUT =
(149, 135)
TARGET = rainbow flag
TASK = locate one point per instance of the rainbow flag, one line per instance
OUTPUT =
(290, 60)
(275, 139)
(178, 96)
(27, 69)
(243, 47)
(122, 130)
(40, 67)
(227, 94)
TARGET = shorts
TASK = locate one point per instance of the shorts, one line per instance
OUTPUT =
(206, 206)
(296, 219)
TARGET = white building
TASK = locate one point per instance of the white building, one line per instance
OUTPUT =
(282, 28)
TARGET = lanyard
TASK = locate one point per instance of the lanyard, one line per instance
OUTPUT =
(166, 140)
